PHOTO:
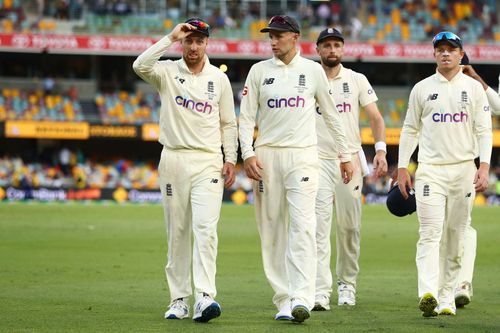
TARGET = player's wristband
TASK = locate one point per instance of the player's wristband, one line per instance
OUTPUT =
(380, 145)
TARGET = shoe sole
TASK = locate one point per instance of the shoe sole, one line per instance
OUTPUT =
(427, 305)
(211, 312)
(283, 318)
(175, 317)
(462, 300)
(446, 312)
(300, 313)
(319, 307)
(346, 303)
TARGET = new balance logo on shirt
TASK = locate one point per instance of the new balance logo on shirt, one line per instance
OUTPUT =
(268, 81)
(432, 97)
(214, 181)
(181, 80)
(304, 179)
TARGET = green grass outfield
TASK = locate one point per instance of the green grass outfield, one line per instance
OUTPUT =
(99, 268)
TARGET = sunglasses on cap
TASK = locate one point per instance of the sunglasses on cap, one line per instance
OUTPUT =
(447, 36)
(200, 24)
(281, 20)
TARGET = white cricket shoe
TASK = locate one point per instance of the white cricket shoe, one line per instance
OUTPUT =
(347, 294)
(463, 294)
(285, 312)
(300, 311)
(178, 309)
(205, 309)
(322, 303)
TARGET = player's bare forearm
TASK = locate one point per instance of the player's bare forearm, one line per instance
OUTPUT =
(469, 70)
(377, 124)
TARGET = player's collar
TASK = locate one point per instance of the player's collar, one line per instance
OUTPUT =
(184, 67)
(443, 79)
(295, 59)
(341, 73)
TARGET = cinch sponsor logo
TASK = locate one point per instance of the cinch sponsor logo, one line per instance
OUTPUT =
(461, 117)
(298, 102)
(345, 107)
(192, 105)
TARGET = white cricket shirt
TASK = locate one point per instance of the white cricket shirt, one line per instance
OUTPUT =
(282, 100)
(350, 91)
(197, 110)
(447, 117)
(493, 100)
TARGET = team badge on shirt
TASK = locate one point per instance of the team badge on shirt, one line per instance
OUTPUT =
(210, 90)
(346, 90)
(464, 96)
(464, 101)
(301, 87)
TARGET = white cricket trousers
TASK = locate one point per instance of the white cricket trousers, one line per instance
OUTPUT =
(191, 186)
(284, 206)
(347, 199)
(444, 196)
(468, 256)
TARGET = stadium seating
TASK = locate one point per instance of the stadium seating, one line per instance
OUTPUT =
(85, 174)
(382, 20)
(124, 108)
(34, 105)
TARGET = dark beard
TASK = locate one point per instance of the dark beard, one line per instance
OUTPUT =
(331, 63)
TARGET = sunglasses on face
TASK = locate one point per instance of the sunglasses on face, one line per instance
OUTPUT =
(281, 20)
(446, 35)
(200, 24)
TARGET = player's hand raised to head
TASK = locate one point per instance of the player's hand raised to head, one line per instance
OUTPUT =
(253, 168)
(181, 30)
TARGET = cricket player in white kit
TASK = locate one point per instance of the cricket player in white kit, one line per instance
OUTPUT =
(449, 119)
(196, 118)
(350, 91)
(464, 290)
(279, 96)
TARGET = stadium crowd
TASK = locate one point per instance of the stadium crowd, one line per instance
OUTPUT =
(70, 169)
(16, 104)
(382, 20)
